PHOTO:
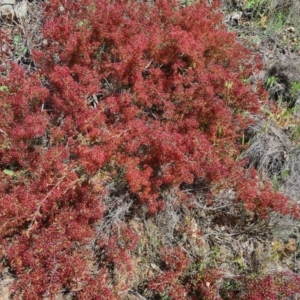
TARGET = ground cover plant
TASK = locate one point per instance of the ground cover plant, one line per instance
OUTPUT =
(132, 109)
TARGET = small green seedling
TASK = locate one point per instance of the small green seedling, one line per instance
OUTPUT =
(8, 172)
(251, 4)
(16, 40)
(4, 88)
(271, 80)
(295, 89)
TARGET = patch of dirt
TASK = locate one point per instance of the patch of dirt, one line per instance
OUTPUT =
(24, 34)
(6, 280)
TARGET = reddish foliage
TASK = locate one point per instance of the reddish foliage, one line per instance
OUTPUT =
(278, 286)
(178, 283)
(166, 109)
(171, 282)
(169, 98)
(206, 284)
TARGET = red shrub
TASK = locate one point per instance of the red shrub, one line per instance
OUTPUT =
(168, 102)
(152, 93)
(178, 282)
(171, 281)
(273, 287)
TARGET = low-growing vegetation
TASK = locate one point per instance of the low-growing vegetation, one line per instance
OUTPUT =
(122, 153)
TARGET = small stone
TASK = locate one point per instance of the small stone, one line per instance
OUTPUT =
(6, 10)
(61, 9)
(7, 2)
(290, 29)
(21, 9)
(154, 266)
